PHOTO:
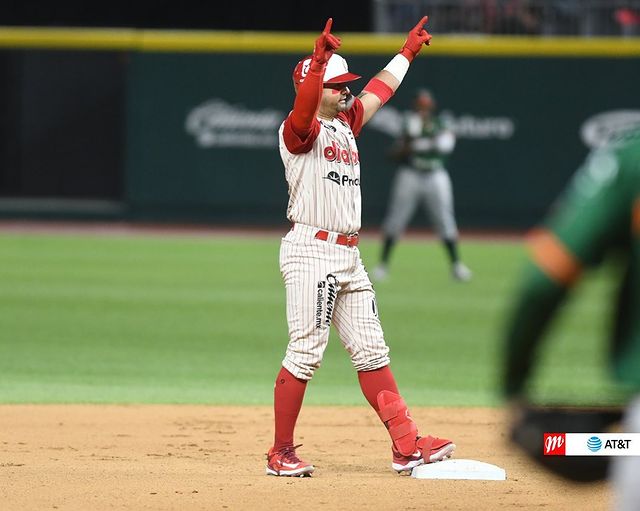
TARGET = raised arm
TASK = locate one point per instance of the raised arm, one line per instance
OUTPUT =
(383, 85)
(307, 102)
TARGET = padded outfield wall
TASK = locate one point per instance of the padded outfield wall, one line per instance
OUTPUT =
(203, 109)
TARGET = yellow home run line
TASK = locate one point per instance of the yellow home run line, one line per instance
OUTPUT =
(289, 42)
(68, 38)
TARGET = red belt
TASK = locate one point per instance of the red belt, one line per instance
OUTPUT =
(349, 240)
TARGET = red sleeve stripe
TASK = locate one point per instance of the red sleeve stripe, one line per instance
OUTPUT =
(380, 89)
(553, 257)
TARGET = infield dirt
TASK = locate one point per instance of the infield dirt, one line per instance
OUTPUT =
(94, 457)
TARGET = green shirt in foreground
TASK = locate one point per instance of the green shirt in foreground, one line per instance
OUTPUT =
(598, 215)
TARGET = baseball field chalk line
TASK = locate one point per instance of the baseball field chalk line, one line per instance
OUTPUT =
(460, 469)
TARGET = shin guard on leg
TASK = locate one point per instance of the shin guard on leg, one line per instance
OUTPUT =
(394, 414)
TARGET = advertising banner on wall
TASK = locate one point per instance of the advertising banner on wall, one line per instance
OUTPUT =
(202, 132)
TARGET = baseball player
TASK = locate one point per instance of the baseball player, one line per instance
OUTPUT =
(422, 178)
(599, 215)
(325, 280)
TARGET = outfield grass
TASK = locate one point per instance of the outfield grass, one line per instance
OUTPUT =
(109, 319)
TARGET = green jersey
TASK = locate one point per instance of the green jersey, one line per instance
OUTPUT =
(429, 142)
(599, 213)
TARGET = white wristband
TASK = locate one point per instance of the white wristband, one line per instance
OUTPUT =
(398, 66)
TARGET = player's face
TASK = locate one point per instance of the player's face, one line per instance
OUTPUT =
(336, 97)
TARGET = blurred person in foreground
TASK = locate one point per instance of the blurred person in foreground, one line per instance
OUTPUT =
(598, 215)
(422, 179)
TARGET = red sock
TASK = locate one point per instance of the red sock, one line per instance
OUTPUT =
(288, 394)
(374, 382)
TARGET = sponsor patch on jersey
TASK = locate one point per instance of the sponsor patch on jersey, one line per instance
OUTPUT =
(326, 294)
(342, 179)
(320, 302)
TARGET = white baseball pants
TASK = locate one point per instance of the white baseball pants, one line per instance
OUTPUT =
(327, 284)
(433, 189)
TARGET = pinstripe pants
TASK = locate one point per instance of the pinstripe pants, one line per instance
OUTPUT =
(326, 284)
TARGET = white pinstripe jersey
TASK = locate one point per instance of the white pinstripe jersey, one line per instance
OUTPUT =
(323, 172)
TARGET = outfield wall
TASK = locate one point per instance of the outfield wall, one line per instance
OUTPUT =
(184, 123)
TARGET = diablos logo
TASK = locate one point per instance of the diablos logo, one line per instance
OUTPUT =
(305, 69)
(338, 154)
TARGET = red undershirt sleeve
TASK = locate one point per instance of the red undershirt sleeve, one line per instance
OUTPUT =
(380, 89)
(301, 128)
(295, 143)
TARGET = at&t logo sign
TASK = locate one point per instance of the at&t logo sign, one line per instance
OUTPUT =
(594, 444)
(590, 444)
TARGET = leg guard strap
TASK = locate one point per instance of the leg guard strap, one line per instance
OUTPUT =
(394, 414)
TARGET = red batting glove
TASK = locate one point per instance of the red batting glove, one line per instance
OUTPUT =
(416, 38)
(325, 45)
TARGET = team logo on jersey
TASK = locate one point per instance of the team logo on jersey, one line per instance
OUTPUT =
(305, 69)
(326, 294)
(342, 179)
(338, 154)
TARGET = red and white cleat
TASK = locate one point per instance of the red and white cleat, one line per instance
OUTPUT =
(428, 450)
(285, 462)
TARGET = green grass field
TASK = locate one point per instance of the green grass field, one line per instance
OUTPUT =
(107, 319)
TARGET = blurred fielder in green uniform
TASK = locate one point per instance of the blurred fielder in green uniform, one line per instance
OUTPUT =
(599, 214)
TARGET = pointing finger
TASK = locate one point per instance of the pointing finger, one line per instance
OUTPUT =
(421, 23)
(327, 27)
